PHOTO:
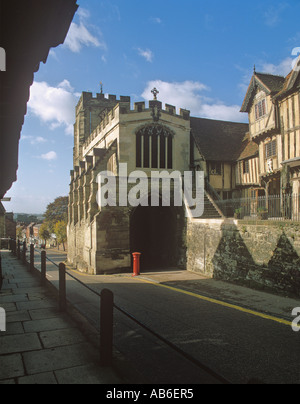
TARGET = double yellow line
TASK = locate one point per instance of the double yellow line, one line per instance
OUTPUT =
(221, 303)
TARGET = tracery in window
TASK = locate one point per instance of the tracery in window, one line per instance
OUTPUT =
(154, 147)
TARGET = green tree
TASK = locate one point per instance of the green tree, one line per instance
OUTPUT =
(44, 233)
(57, 211)
(60, 230)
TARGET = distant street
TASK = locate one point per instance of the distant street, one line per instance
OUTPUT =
(237, 345)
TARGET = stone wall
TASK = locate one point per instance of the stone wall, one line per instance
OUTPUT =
(262, 255)
(2, 224)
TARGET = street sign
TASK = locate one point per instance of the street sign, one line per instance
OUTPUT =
(5, 200)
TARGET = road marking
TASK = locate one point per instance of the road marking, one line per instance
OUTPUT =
(204, 298)
(220, 303)
(77, 272)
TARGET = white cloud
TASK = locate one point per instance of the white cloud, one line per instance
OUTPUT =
(40, 139)
(156, 20)
(273, 14)
(189, 95)
(146, 54)
(282, 69)
(49, 156)
(79, 36)
(222, 112)
(83, 13)
(34, 139)
(24, 202)
(54, 105)
(183, 95)
(53, 54)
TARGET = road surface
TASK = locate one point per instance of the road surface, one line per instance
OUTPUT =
(239, 345)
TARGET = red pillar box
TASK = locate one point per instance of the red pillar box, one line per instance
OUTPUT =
(136, 264)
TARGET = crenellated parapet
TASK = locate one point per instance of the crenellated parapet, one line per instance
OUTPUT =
(93, 114)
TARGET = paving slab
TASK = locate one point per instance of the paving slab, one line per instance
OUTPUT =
(17, 316)
(19, 343)
(13, 298)
(14, 328)
(36, 304)
(58, 358)
(43, 378)
(46, 324)
(87, 374)
(11, 366)
(41, 345)
(53, 339)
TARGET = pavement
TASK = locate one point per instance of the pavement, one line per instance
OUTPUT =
(41, 345)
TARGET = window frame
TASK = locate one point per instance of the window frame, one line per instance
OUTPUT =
(246, 167)
(261, 109)
(215, 168)
(155, 148)
(271, 149)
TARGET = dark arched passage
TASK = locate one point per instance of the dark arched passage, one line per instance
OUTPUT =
(155, 234)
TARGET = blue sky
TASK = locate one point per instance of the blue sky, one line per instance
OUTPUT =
(199, 54)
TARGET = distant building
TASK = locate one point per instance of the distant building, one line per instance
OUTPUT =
(7, 224)
(36, 232)
(30, 232)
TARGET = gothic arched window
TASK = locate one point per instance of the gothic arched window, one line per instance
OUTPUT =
(154, 147)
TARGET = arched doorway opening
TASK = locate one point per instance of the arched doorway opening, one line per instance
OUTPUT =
(154, 233)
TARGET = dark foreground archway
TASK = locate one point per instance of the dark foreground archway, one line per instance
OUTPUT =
(155, 233)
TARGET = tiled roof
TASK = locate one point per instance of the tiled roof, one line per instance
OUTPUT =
(272, 82)
(249, 148)
(291, 80)
(218, 140)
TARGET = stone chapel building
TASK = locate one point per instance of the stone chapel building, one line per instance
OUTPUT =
(107, 133)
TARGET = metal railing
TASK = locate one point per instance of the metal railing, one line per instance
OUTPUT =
(107, 306)
(273, 207)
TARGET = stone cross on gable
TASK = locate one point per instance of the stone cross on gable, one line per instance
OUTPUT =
(155, 92)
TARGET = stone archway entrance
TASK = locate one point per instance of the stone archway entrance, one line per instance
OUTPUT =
(155, 233)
